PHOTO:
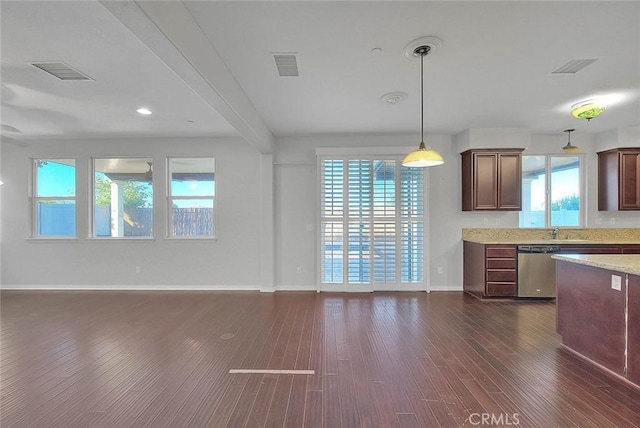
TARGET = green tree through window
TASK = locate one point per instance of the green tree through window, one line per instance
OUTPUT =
(135, 194)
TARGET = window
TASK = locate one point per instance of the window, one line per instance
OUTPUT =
(54, 201)
(191, 197)
(551, 189)
(123, 197)
(372, 223)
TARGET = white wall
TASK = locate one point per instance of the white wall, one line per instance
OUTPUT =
(231, 262)
(234, 261)
(296, 205)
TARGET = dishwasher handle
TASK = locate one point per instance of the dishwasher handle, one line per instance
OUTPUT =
(538, 249)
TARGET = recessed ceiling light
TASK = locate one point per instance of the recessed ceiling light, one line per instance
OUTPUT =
(393, 97)
(144, 110)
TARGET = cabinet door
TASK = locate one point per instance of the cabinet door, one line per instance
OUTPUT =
(589, 249)
(630, 249)
(485, 171)
(629, 181)
(509, 182)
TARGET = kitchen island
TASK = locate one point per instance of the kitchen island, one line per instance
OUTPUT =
(598, 310)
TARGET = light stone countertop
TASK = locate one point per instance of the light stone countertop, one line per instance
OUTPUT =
(540, 236)
(534, 241)
(626, 263)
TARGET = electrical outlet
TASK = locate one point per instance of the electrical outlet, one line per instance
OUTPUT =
(299, 270)
(138, 270)
(612, 221)
(616, 282)
(440, 270)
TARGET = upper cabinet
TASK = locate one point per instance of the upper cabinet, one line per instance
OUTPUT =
(619, 179)
(491, 180)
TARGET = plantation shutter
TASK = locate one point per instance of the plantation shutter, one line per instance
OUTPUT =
(369, 234)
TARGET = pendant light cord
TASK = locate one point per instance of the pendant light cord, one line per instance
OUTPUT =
(422, 54)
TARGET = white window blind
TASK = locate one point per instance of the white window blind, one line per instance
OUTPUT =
(372, 222)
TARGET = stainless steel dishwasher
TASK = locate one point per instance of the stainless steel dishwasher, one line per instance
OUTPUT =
(537, 271)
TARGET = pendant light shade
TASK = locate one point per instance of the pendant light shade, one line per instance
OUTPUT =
(569, 148)
(424, 156)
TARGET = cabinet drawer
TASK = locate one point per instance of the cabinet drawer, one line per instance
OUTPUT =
(500, 252)
(590, 250)
(501, 289)
(501, 275)
(501, 263)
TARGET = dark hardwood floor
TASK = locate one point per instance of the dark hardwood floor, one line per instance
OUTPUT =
(161, 359)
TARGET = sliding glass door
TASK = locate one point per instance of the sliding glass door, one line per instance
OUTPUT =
(371, 225)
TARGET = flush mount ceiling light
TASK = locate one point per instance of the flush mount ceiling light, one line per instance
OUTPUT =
(588, 109)
(424, 156)
(569, 148)
(144, 111)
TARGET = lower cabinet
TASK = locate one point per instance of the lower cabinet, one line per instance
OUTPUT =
(630, 249)
(490, 271)
(590, 249)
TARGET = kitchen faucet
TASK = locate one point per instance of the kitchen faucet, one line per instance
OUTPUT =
(555, 232)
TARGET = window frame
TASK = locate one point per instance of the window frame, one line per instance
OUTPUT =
(92, 202)
(346, 155)
(34, 198)
(548, 202)
(169, 236)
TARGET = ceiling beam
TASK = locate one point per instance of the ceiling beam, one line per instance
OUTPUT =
(170, 32)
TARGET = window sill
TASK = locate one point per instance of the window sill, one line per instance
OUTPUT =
(52, 239)
(193, 239)
(126, 239)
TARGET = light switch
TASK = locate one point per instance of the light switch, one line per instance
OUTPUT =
(616, 282)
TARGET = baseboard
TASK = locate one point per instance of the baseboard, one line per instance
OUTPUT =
(296, 288)
(138, 287)
(156, 287)
(446, 288)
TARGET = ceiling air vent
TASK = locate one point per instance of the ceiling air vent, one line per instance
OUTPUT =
(61, 70)
(575, 65)
(286, 64)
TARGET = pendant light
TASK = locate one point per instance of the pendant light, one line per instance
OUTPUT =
(424, 156)
(569, 148)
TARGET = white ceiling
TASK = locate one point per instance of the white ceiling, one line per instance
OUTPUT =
(210, 62)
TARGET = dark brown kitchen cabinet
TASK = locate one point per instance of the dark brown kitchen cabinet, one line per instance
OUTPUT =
(491, 180)
(619, 179)
(590, 249)
(490, 271)
(630, 248)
